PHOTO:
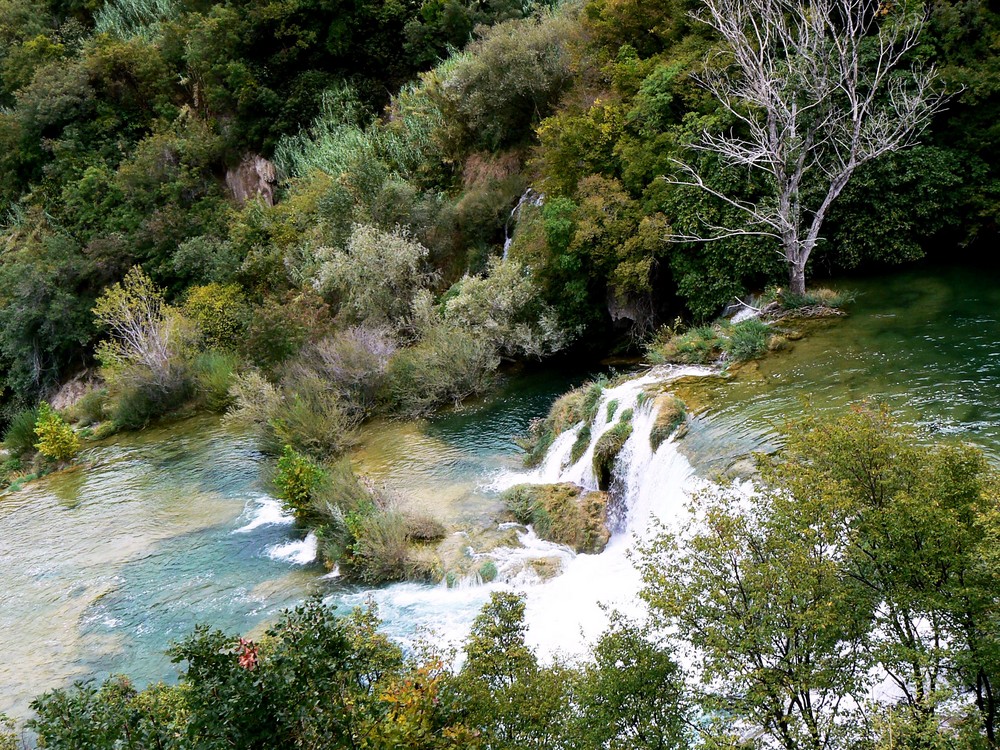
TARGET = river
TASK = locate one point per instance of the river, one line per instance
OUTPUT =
(104, 566)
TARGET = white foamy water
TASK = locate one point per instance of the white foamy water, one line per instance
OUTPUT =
(567, 612)
(296, 551)
(263, 511)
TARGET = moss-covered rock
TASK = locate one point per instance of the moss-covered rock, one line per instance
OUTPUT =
(579, 405)
(607, 448)
(562, 513)
(670, 416)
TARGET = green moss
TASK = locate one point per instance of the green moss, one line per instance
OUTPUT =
(612, 408)
(580, 444)
(562, 513)
(670, 415)
(606, 452)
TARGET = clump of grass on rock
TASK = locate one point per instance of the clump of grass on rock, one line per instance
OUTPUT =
(562, 513)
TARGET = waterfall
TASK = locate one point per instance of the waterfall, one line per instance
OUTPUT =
(567, 612)
(531, 196)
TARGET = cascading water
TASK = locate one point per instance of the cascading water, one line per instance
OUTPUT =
(565, 612)
(531, 196)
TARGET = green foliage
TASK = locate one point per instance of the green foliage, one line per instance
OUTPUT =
(504, 305)
(380, 549)
(376, 276)
(747, 340)
(91, 408)
(446, 366)
(19, 439)
(506, 696)
(855, 534)
(220, 313)
(213, 374)
(297, 479)
(56, 439)
(631, 695)
(493, 93)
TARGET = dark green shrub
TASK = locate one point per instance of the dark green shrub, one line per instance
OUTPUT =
(20, 436)
(133, 407)
(297, 479)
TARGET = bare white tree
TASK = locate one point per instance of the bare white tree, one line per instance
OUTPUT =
(816, 90)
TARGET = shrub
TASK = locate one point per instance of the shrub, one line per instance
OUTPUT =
(354, 363)
(747, 340)
(380, 549)
(297, 479)
(220, 313)
(214, 373)
(446, 366)
(56, 439)
(376, 276)
(504, 305)
(135, 404)
(20, 436)
(91, 407)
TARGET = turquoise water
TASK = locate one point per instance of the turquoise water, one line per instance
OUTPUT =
(926, 343)
(101, 568)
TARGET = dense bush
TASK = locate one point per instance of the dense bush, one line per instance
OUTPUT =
(56, 439)
(20, 438)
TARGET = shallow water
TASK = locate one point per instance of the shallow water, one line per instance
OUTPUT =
(101, 568)
(925, 343)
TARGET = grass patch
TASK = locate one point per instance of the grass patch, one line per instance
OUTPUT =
(670, 415)
(705, 345)
(20, 437)
(562, 513)
(747, 340)
(580, 444)
(814, 298)
(572, 408)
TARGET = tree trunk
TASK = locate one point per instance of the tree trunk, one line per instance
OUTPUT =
(797, 279)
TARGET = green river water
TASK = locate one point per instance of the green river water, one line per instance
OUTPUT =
(100, 568)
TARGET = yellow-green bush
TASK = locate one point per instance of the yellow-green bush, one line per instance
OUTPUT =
(56, 439)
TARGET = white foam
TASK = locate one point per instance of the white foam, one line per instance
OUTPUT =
(296, 551)
(263, 511)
